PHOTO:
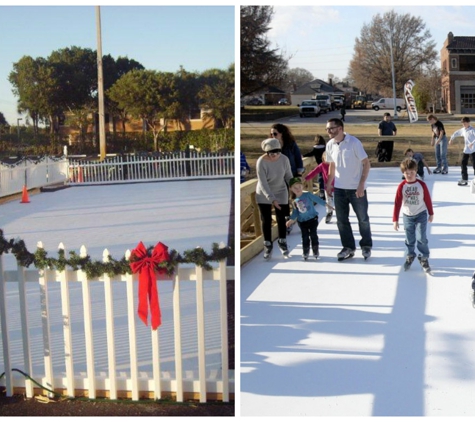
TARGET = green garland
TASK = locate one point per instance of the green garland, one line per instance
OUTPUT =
(94, 268)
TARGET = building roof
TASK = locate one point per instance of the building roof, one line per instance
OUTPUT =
(317, 85)
(461, 43)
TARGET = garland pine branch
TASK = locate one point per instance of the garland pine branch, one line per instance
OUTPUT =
(95, 268)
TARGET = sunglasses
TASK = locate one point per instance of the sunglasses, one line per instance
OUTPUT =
(274, 153)
(274, 133)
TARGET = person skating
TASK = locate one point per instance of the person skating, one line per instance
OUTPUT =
(468, 133)
(305, 215)
(413, 197)
(349, 169)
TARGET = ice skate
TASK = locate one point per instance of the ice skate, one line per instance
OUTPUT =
(409, 261)
(424, 263)
(283, 247)
(305, 255)
(366, 251)
(345, 253)
(316, 254)
(328, 217)
(462, 182)
(267, 250)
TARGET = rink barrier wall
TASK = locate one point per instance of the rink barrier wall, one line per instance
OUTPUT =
(183, 165)
(203, 385)
(121, 168)
(42, 172)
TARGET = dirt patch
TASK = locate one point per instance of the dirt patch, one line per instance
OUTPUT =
(19, 406)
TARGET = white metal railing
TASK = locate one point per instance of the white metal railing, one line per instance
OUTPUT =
(32, 173)
(60, 318)
(170, 166)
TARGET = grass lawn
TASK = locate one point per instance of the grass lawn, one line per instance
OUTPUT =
(415, 136)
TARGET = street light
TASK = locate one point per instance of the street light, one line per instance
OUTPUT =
(18, 127)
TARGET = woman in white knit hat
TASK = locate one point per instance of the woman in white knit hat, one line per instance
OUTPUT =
(273, 175)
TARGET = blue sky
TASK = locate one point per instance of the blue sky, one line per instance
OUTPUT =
(321, 39)
(159, 37)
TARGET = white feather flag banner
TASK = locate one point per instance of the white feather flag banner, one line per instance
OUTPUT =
(410, 102)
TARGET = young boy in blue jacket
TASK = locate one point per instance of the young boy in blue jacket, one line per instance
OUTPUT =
(305, 215)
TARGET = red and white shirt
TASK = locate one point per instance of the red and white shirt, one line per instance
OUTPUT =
(413, 198)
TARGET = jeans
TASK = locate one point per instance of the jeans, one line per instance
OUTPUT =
(464, 165)
(343, 199)
(441, 154)
(415, 227)
(266, 220)
(309, 233)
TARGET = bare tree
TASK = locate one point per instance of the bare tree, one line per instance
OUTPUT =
(413, 50)
(297, 77)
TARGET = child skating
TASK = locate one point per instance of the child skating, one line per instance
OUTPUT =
(306, 216)
(322, 169)
(413, 197)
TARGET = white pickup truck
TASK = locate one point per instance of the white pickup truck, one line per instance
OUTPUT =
(309, 108)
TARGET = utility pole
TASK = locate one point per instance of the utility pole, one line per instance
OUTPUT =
(392, 71)
(100, 86)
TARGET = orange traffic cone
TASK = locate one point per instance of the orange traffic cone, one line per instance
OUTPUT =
(24, 196)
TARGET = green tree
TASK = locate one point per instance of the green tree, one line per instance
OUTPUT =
(413, 49)
(261, 66)
(148, 95)
(218, 96)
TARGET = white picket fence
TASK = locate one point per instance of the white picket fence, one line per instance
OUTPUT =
(166, 166)
(113, 169)
(33, 174)
(49, 331)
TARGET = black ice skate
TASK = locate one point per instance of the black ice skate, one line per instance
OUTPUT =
(409, 261)
(424, 263)
(305, 255)
(267, 250)
(328, 217)
(345, 253)
(283, 247)
(366, 251)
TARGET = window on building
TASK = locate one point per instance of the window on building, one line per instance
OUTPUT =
(453, 63)
(467, 63)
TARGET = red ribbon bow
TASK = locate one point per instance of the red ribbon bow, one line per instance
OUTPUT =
(148, 293)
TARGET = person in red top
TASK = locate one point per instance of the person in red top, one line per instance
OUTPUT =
(414, 198)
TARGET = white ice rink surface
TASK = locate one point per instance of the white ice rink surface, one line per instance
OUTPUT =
(356, 338)
(182, 215)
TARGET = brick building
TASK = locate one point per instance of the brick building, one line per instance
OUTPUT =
(458, 74)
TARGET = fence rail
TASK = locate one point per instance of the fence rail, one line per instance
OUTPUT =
(124, 380)
(131, 168)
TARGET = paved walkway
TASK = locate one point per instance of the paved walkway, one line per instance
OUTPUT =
(356, 338)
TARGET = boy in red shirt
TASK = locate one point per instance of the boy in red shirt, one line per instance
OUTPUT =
(413, 197)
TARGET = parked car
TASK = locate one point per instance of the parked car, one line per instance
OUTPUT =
(339, 100)
(324, 106)
(388, 104)
(283, 101)
(309, 108)
(328, 98)
(255, 101)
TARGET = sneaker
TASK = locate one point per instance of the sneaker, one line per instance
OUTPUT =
(283, 247)
(437, 171)
(425, 263)
(366, 251)
(345, 253)
(267, 250)
(328, 217)
(463, 182)
(409, 261)
(444, 171)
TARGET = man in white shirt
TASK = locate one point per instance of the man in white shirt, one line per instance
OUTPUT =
(468, 133)
(349, 167)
